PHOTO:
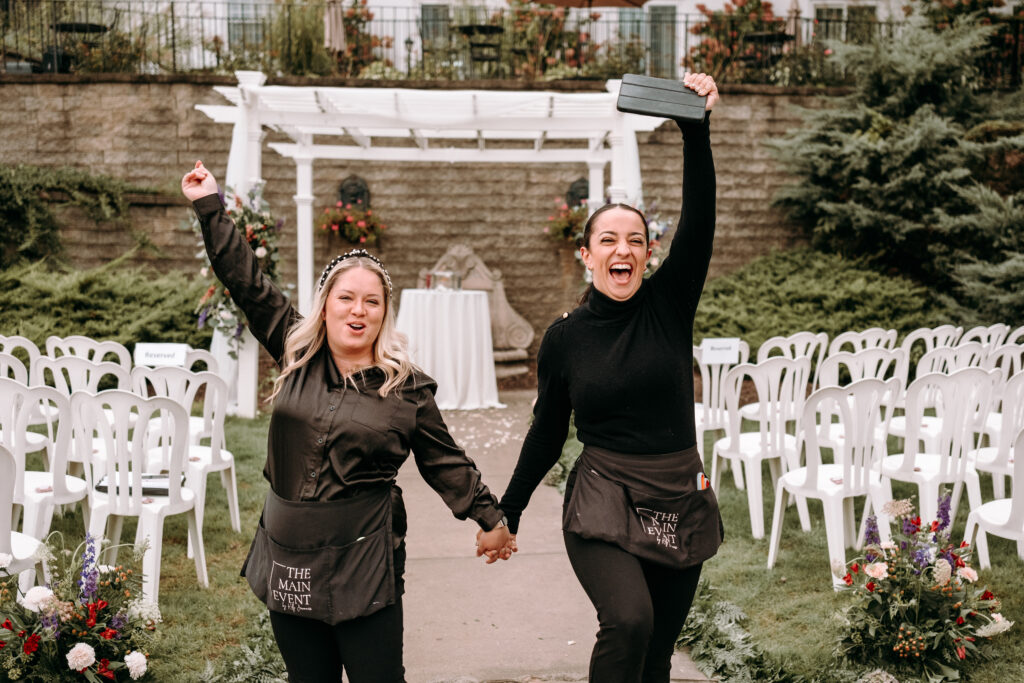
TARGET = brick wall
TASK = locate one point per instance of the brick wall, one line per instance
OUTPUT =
(146, 130)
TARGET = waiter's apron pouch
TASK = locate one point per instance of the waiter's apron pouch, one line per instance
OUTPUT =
(678, 531)
(337, 560)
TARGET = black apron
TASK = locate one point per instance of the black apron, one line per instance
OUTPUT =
(656, 507)
(331, 561)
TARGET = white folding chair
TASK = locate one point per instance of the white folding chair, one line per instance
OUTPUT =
(1015, 337)
(871, 338)
(862, 409)
(800, 345)
(781, 388)
(997, 459)
(962, 402)
(35, 491)
(11, 367)
(182, 386)
(1003, 517)
(929, 338)
(987, 335)
(127, 451)
(22, 348)
(844, 368)
(945, 360)
(22, 549)
(710, 413)
(90, 349)
(1009, 359)
(207, 359)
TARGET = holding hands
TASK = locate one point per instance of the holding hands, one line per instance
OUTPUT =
(496, 544)
(703, 84)
(198, 183)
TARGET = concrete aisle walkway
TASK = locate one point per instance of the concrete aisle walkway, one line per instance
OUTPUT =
(523, 620)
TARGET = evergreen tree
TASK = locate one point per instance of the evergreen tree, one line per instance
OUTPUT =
(917, 169)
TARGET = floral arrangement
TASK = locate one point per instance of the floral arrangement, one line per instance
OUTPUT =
(656, 229)
(916, 608)
(252, 218)
(354, 222)
(567, 224)
(88, 623)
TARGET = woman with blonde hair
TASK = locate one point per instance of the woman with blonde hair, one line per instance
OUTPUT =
(348, 406)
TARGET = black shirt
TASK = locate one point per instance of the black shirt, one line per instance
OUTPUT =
(626, 367)
(327, 435)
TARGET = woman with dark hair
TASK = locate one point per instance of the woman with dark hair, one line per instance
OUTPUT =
(329, 553)
(639, 517)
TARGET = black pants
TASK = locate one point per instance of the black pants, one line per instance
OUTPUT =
(641, 608)
(368, 649)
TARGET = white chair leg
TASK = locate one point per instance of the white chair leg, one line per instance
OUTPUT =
(834, 525)
(778, 513)
(198, 486)
(37, 519)
(849, 524)
(195, 535)
(998, 486)
(115, 525)
(981, 542)
(973, 484)
(228, 480)
(153, 531)
(755, 499)
(928, 498)
(715, 472)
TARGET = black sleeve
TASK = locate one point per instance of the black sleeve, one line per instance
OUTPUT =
(681, 277)
(447, 468)
(267, 309)
(543, 443)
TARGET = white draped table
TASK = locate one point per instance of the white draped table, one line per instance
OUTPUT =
(450, 339)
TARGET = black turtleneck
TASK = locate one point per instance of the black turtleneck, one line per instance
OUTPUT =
(626, 367)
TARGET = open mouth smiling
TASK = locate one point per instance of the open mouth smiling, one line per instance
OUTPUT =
(620, 272)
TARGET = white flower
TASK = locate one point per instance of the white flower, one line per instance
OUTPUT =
(81, 656)
(226, 315)
(887, 545)
(877, 570)
(36, 597)
(967, 573)
(995, 627)
(655, 261)
(897, 508)
(261, 252)
(136, 663)
(204, 271)
(144, 611)
(943, 570)
(5, 560)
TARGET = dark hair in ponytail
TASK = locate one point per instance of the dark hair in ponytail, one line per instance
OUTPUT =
(588, 230)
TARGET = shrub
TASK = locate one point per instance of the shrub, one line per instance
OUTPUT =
(787, 292)
(127, 305)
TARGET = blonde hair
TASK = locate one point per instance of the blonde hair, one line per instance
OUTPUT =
(305, 339)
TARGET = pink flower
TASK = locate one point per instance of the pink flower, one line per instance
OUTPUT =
(967, 573)
(361, 224)
(362, 239)
(877, 570)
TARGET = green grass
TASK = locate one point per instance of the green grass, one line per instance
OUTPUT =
(791, 608)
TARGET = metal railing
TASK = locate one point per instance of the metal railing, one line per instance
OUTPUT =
(446, 42)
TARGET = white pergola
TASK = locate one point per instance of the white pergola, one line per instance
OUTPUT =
(398, 124)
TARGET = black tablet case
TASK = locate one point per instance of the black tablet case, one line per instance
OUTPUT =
(659, 97)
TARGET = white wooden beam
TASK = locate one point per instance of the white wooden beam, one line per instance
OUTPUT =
(447, 154)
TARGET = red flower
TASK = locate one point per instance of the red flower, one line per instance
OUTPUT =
(870, 585)
(108, 634)
(960, 562)
(959, 621)
(961, 652)
(848, 579)
(987, 595)
(935, 525)
(102, 604)
(104, 669)
(964, 544)
(2, 644)
(32, 644)
(854, 567)
(7, 625)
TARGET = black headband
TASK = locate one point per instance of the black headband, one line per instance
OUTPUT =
(355, 253)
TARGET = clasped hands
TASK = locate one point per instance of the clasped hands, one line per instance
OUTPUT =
(496, 544)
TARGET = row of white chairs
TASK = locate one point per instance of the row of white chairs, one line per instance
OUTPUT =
(38, 493)
(18, 355)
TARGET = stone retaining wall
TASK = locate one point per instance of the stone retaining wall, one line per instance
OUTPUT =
(147, 131)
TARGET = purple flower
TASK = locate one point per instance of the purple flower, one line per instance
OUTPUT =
(871, 531)
(90, 572)
(909, 527)
(203, 315)
(118, 621)
(922, 558)
(238, 330)
(944, 505)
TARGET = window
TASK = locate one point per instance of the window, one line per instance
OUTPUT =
(862, 23)
(663, 42)
(434, 28)
(829, 23)
(245, 24)
(631, 24)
